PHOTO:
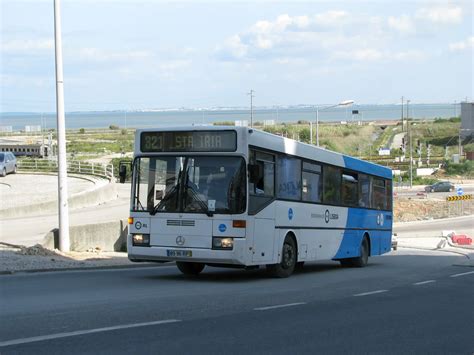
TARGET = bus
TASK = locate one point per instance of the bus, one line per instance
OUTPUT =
(241, 197)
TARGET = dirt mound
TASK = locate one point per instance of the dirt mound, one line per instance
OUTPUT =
(38, 250)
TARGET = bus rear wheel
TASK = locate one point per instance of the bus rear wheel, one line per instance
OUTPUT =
(190, 269)
(288, 260)
(360, 261)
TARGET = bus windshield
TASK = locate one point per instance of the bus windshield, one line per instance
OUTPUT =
(190, 184)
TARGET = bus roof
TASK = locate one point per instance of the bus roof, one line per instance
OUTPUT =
(258, 138)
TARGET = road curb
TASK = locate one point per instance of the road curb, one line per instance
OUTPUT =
(86, 268)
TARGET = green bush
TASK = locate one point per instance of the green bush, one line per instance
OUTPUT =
(466, 168)
(82, 131)
(114, 127)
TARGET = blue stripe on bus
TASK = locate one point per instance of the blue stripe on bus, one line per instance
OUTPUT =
(366, 167)
(380, 241)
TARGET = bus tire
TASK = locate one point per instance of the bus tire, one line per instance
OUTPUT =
(346, 262)
(190, 269)
(4, 172)
(288, 260)
(299, 265)
(363, 259)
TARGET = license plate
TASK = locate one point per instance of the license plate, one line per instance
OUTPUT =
(179, 253)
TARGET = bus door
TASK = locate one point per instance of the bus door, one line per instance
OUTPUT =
(261, 195)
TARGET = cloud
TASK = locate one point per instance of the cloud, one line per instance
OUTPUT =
(367, 54)
(402, 24)
(100, 55)
(463, 45)
(373, 54)
(295, 34)
(20, 46)
(332, 18)
(441, 14)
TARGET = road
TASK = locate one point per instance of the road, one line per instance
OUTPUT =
(461, 225)
(403, 302)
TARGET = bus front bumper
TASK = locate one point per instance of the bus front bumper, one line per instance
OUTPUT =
(197, 255)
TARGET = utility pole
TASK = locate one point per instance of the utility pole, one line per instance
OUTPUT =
(251, 93)
(408, 112)
(64, 243)
(403, 122)
(459, 145)
(411, 155)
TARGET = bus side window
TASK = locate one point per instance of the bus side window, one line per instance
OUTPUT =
(364, 191)
(262, 189)
(311, 182)
(379, 196)
(331, 185)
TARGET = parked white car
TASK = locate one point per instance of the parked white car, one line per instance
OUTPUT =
(7, 163)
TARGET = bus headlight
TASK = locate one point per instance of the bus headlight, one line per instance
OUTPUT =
(222, 243)
(141, 240)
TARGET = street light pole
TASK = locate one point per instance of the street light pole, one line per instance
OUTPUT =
(411, 156)
(342, 103)
(251, 107)
(64, 243)
(317, 127)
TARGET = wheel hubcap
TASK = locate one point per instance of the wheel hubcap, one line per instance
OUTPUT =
(288, 256)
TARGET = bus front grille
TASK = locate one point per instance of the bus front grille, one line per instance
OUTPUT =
(183, 223)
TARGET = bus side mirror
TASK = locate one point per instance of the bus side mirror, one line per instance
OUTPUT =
(255, 173)
(122, 171)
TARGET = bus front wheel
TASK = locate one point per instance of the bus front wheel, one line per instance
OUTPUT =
(190, 269)
(288, 260)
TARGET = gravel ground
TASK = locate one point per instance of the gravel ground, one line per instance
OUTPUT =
(19, 258)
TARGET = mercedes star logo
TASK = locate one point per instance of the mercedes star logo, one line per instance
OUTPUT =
(180, 240)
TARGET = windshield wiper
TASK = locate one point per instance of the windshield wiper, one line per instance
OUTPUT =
(196, 197)
(172, 192)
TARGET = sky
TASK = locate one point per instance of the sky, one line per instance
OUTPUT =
(128, 55)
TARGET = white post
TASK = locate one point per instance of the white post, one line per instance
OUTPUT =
(64, 243)
(310, 132)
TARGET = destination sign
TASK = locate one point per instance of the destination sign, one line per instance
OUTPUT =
(189, 141)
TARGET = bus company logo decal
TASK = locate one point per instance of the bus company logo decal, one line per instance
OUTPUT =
(222, 228)
(138, 225)
(180, 240)
(380, 219)
(290, 214)
(328, 216)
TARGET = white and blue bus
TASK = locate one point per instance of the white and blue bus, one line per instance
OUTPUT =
(236, 196)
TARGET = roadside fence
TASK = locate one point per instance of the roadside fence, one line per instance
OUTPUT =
(73, 167)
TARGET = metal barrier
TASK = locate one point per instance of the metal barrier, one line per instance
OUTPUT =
(73, 167)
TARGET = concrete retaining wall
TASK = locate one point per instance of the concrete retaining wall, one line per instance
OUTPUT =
(110, 236)
(93, 197)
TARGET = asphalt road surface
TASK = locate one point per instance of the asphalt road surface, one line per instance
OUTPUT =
(461, 225)
(404, 302)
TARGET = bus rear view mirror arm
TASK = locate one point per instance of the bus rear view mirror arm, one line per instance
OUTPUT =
(123, 171)
(255, 173)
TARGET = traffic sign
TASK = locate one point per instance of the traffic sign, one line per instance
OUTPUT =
(459, 198)
(459, 191)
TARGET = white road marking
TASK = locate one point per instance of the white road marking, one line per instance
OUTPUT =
(370, 293)
(464, 273)
(424, 282)
(278, 306)
(82, 332)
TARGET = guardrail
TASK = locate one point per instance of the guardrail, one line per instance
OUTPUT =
(73, 167)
